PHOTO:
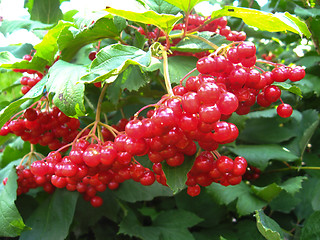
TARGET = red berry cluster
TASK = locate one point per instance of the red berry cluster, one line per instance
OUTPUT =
(91, 168)
(252, 173)
(31, 78)
(209, 168)
(47, 128)
(218, 25)
(196, 22)
(29, 81)
(235, 71)
(169, 131)
(269, 57)
(27, 180)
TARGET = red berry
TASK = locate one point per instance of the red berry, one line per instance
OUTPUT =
(208, 92)
(272, 93)
(92, 55)
(246, 50)
(193, 190)
(96, 201)
(296, 74)
(91, 157)
(190, 102)
(227, 103)
(225, 164)
(284, 110)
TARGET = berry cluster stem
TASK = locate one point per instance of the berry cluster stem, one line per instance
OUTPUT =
(166, 72)
(294, 168)
(215, 47)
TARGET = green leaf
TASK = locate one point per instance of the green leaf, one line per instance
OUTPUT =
(265, 130)
(18, 50)
(86, 19)
(284, 202)
(48, 47)
(267, 113)
(189, 44)
(179, 66)
(63, 81)
(268, 227)
(311, 228)
(293, 185)
(110, 209)
(46, 11)
(203, 206)
(8, 61)
(174, 224)
(131, 79)
(268, 193)
(11, 223)
(288, 87)
(12, 108)
(247, 202)
(70, 40)
(264, 21)
(259, 155)
(308, 196)
(114, 59)
(8, 86)
(177, 176)
(304, 12)
(8, 27)
(161, 6)
(171, 224)
(68, 16)
(131, 191)
(8, 78)
(308, 61)
(131, 226)
(52, 219)
(164, 21)
(304, 130)
(186, 6)
(309, 85)
(15, 150)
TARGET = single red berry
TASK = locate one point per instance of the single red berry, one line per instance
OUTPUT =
(296, 74)
(92, 55)
(246, 50)
(96, 201)
(227, 103)
(193, 190)
(272, 93)
(91, 157)
(190, 102)
(225, 164)
(208, 93)
(284, 110)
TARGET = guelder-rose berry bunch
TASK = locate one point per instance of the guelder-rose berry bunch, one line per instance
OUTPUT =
(196, 22)
(171, 130)
(50, 128)
(236, 72)
(27, 180)
(31, 77)
(91, 168)
(28, 81)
